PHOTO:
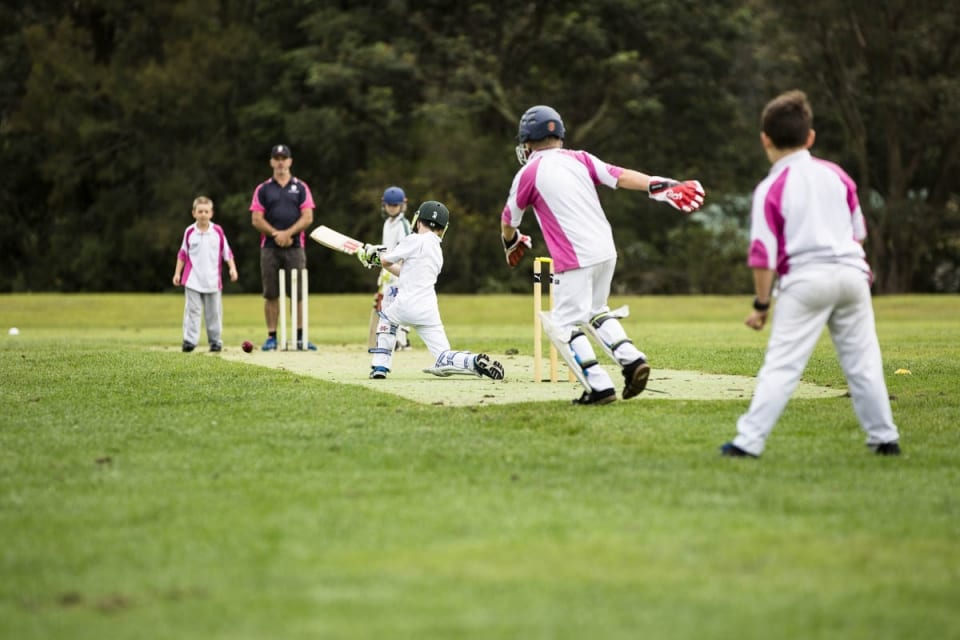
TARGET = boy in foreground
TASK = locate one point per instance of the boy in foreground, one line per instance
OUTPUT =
(806, 233)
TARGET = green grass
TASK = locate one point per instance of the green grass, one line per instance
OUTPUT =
(146, 493)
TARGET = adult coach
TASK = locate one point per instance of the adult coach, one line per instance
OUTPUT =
(281, 210)
(806, 231)
(560, 185)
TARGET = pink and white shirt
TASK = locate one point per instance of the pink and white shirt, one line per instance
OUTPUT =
(806, 212)
(561, 186)
(201, 252)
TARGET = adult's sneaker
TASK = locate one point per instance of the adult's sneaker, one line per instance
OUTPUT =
(605, 396)
(887, 449)
(378, 373)
(730, 450)
(215, 347)
(270, 344)
(188, 347)
(635, 376)
(310, 346)
(487, 367)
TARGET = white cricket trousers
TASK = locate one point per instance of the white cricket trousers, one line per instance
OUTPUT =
(580, 295)
(837, 297)
(211, 306)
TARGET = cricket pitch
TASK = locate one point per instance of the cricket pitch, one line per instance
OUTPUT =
(350, 364)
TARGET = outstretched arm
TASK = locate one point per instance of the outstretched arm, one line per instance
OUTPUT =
(686, 196)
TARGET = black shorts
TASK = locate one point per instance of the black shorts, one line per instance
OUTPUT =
(272, 259)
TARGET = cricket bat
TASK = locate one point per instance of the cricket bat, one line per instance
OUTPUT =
(336, 240)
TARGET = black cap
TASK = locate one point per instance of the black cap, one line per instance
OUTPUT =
(280, 150)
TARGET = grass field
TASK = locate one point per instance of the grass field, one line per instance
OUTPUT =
(146, 493)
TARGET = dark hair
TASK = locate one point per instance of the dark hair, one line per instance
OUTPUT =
(787, 120)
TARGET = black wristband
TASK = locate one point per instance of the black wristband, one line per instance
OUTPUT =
(760, 306)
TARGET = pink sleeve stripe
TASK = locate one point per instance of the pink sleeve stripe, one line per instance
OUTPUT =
(307, 197)
(255, 202)
(853, 200)
(187, 264)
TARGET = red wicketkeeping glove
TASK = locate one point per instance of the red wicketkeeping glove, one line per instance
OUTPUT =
(686, 196)
(516, 247)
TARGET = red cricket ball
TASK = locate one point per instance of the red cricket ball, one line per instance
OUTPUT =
(247, 346)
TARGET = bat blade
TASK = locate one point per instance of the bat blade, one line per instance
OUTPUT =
(335, 240)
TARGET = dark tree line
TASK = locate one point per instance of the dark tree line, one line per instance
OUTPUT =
(115, 114)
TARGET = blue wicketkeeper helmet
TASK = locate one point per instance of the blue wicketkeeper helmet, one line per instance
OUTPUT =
(540, 122)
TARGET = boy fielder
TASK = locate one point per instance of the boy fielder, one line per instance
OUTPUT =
(806, 231)
(393, 207)
(203, 247)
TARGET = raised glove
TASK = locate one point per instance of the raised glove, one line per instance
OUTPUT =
(686, 196)
(369, 255)
(516, 247)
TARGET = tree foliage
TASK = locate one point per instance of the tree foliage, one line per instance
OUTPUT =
(115, 115)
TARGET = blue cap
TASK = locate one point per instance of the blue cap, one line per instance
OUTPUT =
(394, 195)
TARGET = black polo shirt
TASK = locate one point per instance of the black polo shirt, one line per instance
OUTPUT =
(281, 206)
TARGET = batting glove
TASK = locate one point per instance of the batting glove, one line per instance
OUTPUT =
(516, 247)
(685, 196)
(369, 255)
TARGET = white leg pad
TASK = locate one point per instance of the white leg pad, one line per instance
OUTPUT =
(563, 348)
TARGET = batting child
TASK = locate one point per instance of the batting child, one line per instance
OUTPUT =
(417, 261)
(806, 233)
(204, 245)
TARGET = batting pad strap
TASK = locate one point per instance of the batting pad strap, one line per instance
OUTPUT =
(576, 334)
(615, 345)
(599, 319)
(588, 363)
(380, 350)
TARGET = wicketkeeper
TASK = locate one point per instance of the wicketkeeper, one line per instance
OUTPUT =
(561, 187)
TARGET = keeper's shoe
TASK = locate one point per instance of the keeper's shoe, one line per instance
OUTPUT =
(635, 376)
(487, 367)
(378, 373)
(886, 449)
(730, 450)
(216, 347)
(597, 397)
(188, 347)
(270, 344)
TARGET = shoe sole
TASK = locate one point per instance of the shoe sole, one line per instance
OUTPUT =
(638, 382)
(489, 368)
